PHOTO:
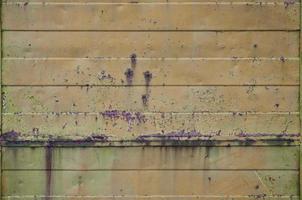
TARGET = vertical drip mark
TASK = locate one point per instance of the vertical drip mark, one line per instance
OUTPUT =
(129, 76)
(48, 166)
(133, 60)
(148, 78)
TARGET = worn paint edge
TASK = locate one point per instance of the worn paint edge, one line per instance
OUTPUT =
(152, 143)
(1, 148)
(300, 104)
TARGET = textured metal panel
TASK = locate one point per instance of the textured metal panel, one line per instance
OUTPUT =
(150, 99)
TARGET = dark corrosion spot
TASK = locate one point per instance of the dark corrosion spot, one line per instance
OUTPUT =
(145, 98)
(148, 77)
(277, 105)
(282, 59)
(288, 2)
(26, 3)
(133, 60)
(258, 196)
(129, 76)
(35, 131)
(97, 138)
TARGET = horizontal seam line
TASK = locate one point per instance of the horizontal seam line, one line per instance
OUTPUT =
(159, 113)
(158, 58)
(155, 196)
(152, 30)
(151, 85)
(131, 86)
(128, 144)
(92, 170)
(151, 3)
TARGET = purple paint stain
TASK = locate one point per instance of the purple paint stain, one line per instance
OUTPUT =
(176, 135)
(113, 114)
(9, 136)
(289, 2)
(267, 135)
(129, 117)
(88, 139)
(140, 117)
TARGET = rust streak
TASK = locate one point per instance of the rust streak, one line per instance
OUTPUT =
(48, 166)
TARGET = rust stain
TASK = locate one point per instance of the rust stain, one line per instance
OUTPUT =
(48, 167)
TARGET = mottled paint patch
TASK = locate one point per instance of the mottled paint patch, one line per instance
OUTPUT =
(177, 135)
(97, 138)
(258, 196)
(103, 76)
(131, 118)
(91, 138)
(10, 136)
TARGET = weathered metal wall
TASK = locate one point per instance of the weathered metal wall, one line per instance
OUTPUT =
(161, 99)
